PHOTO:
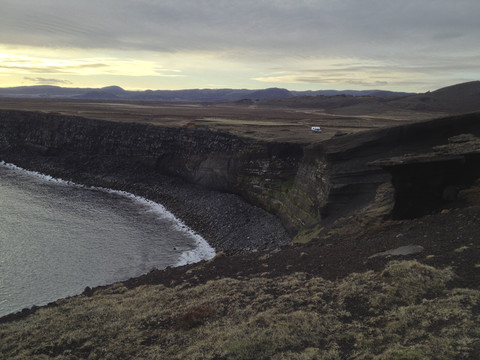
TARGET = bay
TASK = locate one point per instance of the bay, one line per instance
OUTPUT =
(56, 238)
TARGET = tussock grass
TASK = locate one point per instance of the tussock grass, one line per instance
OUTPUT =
(408, 311)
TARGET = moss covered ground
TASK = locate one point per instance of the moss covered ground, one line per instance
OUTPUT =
(409, 310)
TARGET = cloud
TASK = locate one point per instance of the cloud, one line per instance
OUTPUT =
(248, 38)
(52, 64)
(313, 27)
(352, 74)
(43, 81)
(58, 62)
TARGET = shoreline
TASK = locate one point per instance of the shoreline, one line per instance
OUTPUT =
(108, 155)
(203, 250)
(226, 221)
(177, 190)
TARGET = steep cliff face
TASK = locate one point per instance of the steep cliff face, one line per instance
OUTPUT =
(259, 172)
(306, 187)
(443, 178)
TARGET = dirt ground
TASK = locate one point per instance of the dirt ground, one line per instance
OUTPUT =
(265, 122)
(449, 239)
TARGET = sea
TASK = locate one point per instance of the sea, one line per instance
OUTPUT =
(57, 237)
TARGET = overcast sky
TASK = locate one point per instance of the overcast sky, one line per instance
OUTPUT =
(407, 45)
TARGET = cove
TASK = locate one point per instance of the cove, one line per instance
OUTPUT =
(57, 237)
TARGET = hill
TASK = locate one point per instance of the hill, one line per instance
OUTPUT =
(188, 95)
(449, 100)
(460, 98)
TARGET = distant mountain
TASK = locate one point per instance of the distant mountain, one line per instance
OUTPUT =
(189, 95)
(192, 95)
(463, 97)
(98, 95)
(452, 99)
(271, 93)
(376, 93)
(41, 91)
(456, 99)
(116, 90)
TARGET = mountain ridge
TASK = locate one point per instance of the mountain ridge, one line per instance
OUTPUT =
(458, 98)
(463, 98)
(185, 95)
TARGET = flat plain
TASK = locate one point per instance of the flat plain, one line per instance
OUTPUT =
(259, 120)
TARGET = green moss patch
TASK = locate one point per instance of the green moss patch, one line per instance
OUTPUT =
(306, 235)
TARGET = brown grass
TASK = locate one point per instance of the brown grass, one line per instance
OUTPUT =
(270, 123)
(408, 311)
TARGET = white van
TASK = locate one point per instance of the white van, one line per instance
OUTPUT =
(316, 129)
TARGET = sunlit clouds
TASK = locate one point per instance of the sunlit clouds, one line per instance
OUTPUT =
(140, 44)
(65, 67)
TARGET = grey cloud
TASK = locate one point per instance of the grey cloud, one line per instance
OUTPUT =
(44, 81)
(312, 27)
(436, 38)
(49, 68)
(368, 83)
(34, 70)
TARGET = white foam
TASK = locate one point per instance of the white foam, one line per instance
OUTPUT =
(202, 251)
(36, 174)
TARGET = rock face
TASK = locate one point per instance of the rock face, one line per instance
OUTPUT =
(194, 173)
(288, 180)
(305, 186)
(428, 181)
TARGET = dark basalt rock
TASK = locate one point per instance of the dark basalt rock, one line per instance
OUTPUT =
(240, 193)
(201, 176)
(431, 181)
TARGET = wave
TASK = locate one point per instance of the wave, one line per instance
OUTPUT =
(202, 250)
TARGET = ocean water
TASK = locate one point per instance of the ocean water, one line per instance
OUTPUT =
(56, 238)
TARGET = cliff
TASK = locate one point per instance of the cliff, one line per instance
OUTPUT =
(217, 182)
(428, 181)
(194, 173)
(291, 181)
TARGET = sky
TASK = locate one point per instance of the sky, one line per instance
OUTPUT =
(407, 45)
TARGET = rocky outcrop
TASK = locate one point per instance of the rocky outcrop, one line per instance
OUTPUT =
(431, 181)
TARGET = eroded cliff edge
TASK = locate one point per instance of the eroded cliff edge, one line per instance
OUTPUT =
(196, 174)
(223, 186)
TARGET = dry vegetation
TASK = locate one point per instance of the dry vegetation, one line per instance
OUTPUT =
(265, 122)
(407, 311)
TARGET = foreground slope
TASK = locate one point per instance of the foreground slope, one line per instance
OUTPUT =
(312, 302)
